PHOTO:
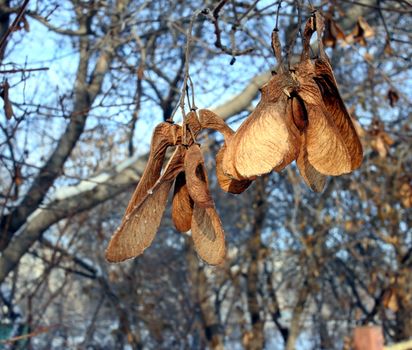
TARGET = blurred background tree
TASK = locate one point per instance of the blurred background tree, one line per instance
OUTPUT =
(84, 83)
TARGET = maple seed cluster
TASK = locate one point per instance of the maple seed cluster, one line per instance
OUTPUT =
(300, 117)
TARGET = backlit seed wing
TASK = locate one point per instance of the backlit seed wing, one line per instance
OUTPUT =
(210, 120)
(164, 135)
(313, 179)
(196, 177)
(326, 149)
(140, 225)
(226, 183)
(182, 205)
(337, 110)
(263, 142)
(208, 236)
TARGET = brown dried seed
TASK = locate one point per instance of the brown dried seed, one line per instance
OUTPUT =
(225, 182)
(164, 136)
(196, 177)
(182, 205)
(140, 225)
(208, 236)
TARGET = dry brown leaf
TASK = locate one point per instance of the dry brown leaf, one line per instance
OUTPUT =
(140, 225)
(182, 205)
(381, 143)
(196, 177)
(393, 97)
(390, 299)
(361, 32)
(388, 48)
(332, 32)
(358, 127)
(4, 94)
(387, 139)
(164, 136)
(405, 194)
(368, 31)
(208, 236)
(337, 110)
(18, 177)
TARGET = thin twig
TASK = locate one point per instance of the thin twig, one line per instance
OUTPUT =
(28, 335)
(23, 70)
(218, 42)
(277, 16)
(13, 25)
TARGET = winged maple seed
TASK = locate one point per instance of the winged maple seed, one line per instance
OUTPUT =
(333, 32)
(301, 116)
(192, 205)
(141, 223)
(196, 177)
(210, 120)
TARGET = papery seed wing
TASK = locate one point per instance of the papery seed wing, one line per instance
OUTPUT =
(337, 110)
(140, 225)
(196, 177)
(210, 120)
(313, 179)
(164, 135)
(208, 236)
(263, 142)
(226, 183)
(326, 149)
(182, 205)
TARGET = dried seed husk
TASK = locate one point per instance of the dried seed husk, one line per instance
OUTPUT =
(264, 141)
(140, 225)
(326, 150)
(337, 110)
(196, 177)
(332, 33)
(4, 94)
(299, 114)
(325, 146)
(313, 179)
(208, 235)
(226, 183)
(164, 136)
(192, 127)
(210, 120)
(182, 205)
(361, 32)
(393, 97)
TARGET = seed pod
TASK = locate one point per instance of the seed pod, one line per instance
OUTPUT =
(140, 225)
(196, 177)
(208, 236)
(182, 205)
